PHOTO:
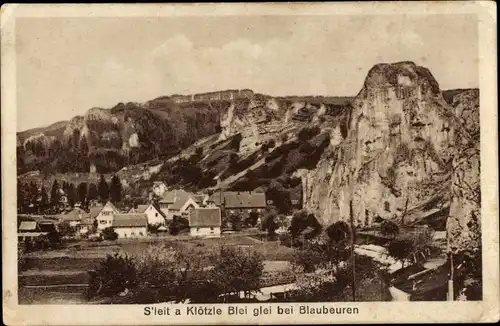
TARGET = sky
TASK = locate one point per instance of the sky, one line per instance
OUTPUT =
(67, 65)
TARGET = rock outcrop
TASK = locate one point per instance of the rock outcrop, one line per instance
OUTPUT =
(396, 158)
(464, 221)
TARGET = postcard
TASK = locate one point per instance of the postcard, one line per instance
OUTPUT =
(263, 163)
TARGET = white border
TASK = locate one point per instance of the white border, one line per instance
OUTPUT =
(392, 312)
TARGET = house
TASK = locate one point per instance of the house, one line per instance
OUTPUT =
(159, 188)
(29, 230)
(130, 225)
(154, 214)
(177, 202)
(239, 202)
(86, 226)
(105, 216)
(74, 217)
(205, 222)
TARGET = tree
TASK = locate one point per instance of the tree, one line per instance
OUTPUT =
(103, 189)
(270, 224)
(178, 224)
(44, 202)
(238, 270)
(55, 196)
(235, 220)
(109, 234)
(389, 228)
(298, 223)
(65, 229)
(33, 194)
(92, 193)
(82, 192)
(401, 249)
(338, 232)
(115, 274)
(115, 189)
(253, 217)
(71, 194)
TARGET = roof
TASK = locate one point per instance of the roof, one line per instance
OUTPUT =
(87, 221)
(75, 214)
(28, 226)
(130, 220)
(140, 209)
(94, 211)
(112, 206)
(31, 234)
(233, 199)
(198, 198)
(244, 200)
(201, 217)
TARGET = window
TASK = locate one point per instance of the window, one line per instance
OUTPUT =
(156, 214)
(103, 221)
(211, 228)
(387, 206)
(197, 229)
(141, 234)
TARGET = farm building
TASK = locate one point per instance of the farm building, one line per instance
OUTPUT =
(130, 225)
(205, 222)
(239, 202)
(154, 214)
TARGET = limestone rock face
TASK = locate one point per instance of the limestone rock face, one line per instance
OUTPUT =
(464, 221)
(397, 154)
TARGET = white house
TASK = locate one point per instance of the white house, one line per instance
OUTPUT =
(155, 215)
(130, 225)
(177, 202)
(105, 216)
(205, 222)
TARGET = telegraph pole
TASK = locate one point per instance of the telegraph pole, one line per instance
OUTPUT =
(352, 253)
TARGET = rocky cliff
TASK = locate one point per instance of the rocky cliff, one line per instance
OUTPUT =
(396, 160)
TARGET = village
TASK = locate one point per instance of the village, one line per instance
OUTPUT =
(82, 235)
(166, 211)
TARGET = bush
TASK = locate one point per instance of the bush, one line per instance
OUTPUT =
(109, 234)
(401, 249)
(238, 270)
(389, 228)
(235, 221)
(307, 133)
(112, 276)
(178, 224)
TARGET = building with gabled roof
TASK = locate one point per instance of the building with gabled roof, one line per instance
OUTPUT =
(106, 215)
(177, 202)
(154, 214)
(239, 202)
(73, 217)
(205, 222)
(130, 225)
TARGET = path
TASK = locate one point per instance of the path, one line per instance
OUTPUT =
(398, 295)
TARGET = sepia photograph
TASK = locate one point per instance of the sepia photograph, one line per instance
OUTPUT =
(236, 159)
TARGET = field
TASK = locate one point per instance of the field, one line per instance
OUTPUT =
(51, 276)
